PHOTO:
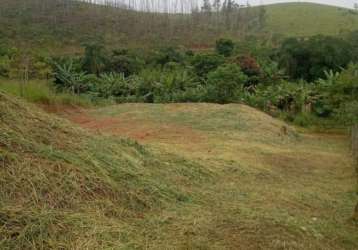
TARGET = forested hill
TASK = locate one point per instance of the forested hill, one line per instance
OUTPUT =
(66, 24)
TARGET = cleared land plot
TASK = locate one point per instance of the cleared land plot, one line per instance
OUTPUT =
(273, 186)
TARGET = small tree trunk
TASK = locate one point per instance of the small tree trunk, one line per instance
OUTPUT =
(355, 155)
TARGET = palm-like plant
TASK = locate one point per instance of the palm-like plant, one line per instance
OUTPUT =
(67, 78)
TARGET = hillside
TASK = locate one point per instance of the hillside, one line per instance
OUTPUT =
(307, 19)
(59, 26)
(62, 188)
(204, 176)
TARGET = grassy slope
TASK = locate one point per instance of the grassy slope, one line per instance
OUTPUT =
(73, 28)
(209, 177)
(62, 188)
(41, 92)
(306, 19)
(273, 188)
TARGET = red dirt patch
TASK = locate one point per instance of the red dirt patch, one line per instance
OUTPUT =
(141, 130)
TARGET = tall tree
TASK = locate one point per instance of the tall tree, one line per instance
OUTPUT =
(206, 8)
(262, 17)
(217, 5)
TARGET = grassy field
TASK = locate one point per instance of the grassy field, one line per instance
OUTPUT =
(203, 176)
(307, 19)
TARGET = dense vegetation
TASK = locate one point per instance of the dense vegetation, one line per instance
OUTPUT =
(301, 79)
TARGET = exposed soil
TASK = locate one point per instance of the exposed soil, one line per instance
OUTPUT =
(133, 128)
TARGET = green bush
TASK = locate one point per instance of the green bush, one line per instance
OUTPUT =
(289, 97)
(309, 58)
(42, 70)
(167, 85)
(304, 119)
(225, 47)
(122, 61)
(225, 83)
(168, 55)
(337, 89)
(204, 63)
(67, 78)
(5, 66)
(115, 86)
(348, 113)
(95, 58)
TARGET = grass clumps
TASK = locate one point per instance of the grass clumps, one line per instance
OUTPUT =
(63, 188)
(40, 92)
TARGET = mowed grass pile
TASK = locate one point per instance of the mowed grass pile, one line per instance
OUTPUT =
(62, 188)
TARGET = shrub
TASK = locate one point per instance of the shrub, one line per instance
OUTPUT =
(250, 67)
(336, 90)
(121, 61)
(225, 47)
(289, 97)
(271, 71)
(348, 113)
(304, 119)
(95, 59)
(225, 83)
(204, 63)
(115, 85)
(67, 78)
(308, 59)
(5, 65)
(167, 55)
(167, 85)
(42, 70)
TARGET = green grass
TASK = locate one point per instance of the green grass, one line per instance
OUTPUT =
(41, 92)
(308, 19)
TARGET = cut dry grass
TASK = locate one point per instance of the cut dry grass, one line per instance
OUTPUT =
(208, 177)
(275, 188)
(63, 188)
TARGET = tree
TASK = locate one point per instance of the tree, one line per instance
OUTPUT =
(217, 5)
(206, 8)
(94, 60)
(225, 82)
(262, 16)
(308, 59)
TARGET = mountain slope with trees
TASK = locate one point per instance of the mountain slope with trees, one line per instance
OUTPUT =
(64, 24)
